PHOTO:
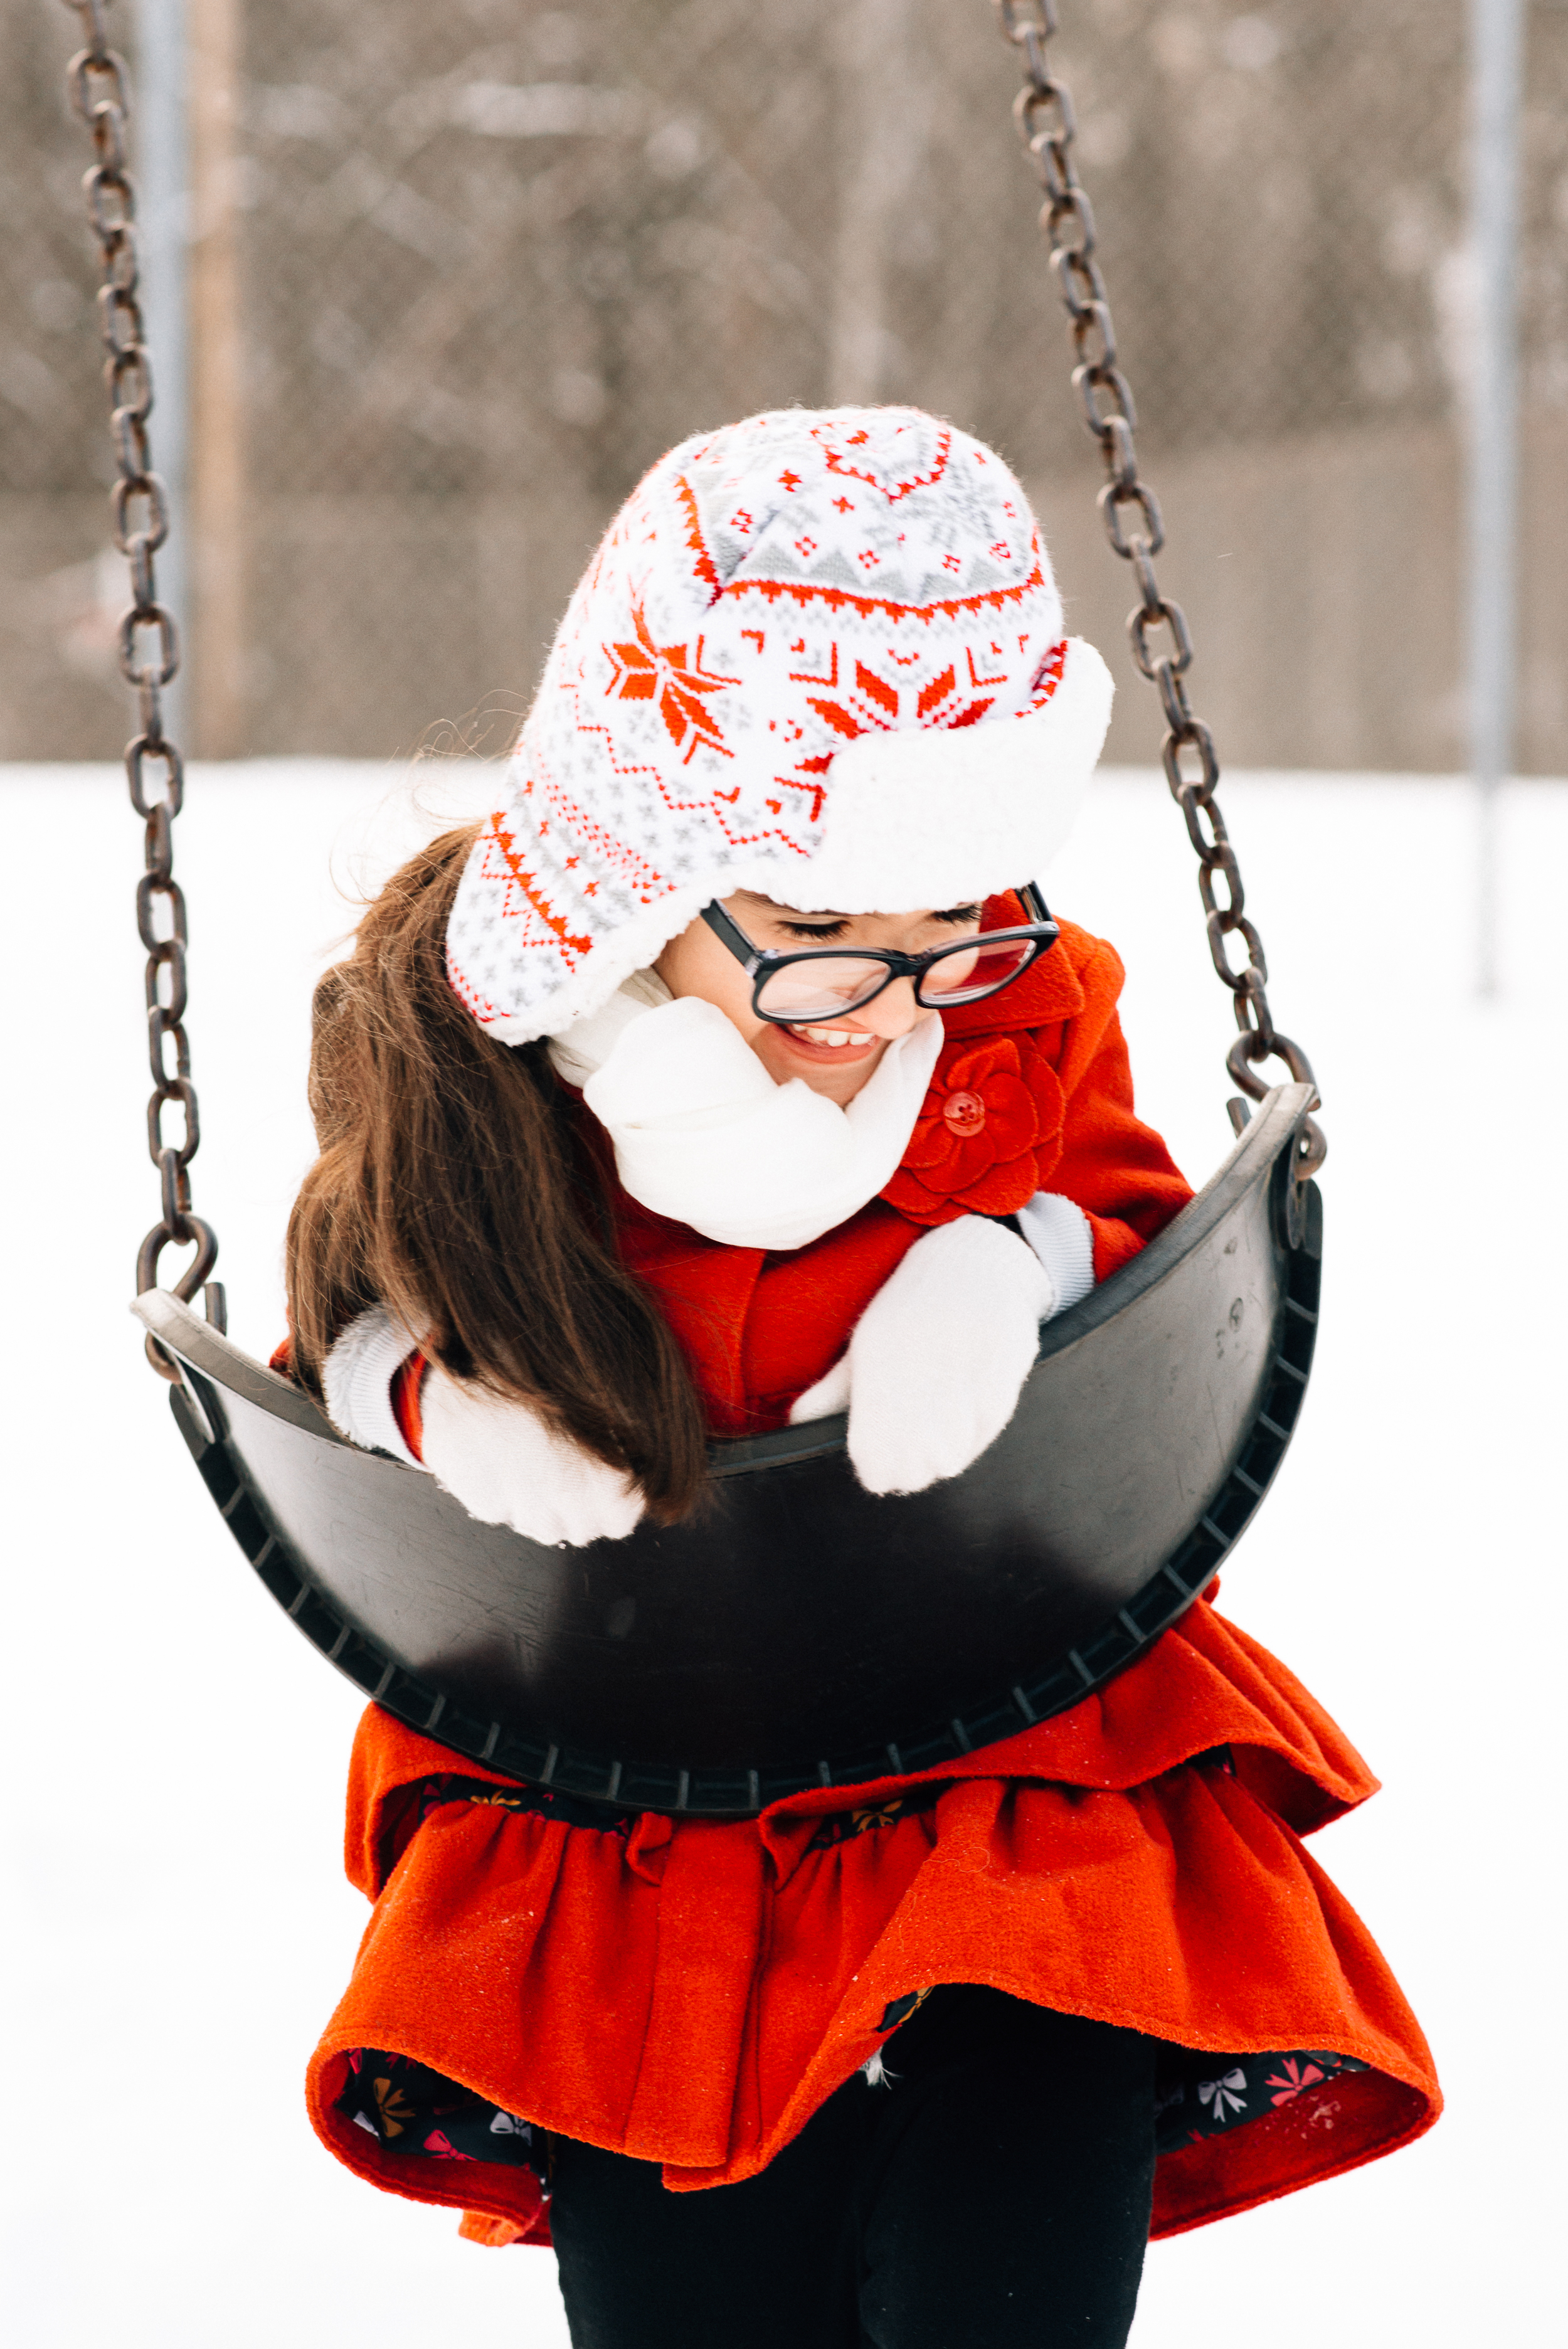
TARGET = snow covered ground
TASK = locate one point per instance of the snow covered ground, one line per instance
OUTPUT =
(177, 1927)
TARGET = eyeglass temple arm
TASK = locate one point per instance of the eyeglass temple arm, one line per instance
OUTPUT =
(730, 935)
(1034, 904)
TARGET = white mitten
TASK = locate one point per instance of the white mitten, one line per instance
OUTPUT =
(938, 1357)
(498, 1458)
(506, 1467)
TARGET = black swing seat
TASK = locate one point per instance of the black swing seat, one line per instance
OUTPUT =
(797, 1631)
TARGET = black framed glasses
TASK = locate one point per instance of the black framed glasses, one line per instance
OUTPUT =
(816, 984)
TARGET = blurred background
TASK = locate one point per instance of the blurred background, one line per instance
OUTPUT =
(452, 277)
(428, 286)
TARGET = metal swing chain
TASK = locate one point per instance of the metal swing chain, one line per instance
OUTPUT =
(96, 83)
(1043, 111)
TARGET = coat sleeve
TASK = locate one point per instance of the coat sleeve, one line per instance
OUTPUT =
(1115, 1168)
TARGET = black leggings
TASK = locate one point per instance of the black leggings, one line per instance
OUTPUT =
(996, 2195)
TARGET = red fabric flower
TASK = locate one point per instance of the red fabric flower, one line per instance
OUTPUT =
(988, 1132)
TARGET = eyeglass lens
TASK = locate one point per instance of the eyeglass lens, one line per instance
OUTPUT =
(827, 983)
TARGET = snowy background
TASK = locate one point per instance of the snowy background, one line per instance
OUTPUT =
(178, 1927)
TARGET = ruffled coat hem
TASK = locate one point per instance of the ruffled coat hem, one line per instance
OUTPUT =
(691, 1991)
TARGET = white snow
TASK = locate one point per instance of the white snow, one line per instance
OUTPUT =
(177, 1927)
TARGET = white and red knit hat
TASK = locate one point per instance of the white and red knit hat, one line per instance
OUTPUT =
(819, 654)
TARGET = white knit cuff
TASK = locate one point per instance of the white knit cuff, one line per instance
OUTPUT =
(1063, 1238)
(356, 1378)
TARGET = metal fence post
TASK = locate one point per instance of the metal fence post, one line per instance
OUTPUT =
(1497, 43)
(162, 171)
(218, 668)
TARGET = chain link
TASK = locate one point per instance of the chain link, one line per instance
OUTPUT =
(96, 83)
(1161, 641)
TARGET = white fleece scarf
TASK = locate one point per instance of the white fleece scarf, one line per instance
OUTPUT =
(704, 1135)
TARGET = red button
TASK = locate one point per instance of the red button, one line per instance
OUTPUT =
(964, 1112)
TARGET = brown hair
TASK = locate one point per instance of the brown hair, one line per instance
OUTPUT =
(453, 1187)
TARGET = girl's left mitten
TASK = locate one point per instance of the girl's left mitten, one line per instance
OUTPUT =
(938, 1358)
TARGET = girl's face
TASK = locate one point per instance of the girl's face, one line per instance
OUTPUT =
(835, 1060)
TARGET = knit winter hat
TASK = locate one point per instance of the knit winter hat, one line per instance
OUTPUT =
(819, 654)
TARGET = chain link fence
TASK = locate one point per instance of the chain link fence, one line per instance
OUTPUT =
(490, 260)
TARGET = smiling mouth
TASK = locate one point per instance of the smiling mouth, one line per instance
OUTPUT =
(836, 1039)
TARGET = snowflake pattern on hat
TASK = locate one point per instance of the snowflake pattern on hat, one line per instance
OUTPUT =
(785, 669)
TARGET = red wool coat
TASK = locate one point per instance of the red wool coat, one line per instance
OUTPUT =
(1031, 1092)
(690, 1990)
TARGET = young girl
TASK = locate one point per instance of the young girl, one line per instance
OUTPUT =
(731, 1074)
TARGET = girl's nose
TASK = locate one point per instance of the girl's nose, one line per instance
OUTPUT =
(892, 1013)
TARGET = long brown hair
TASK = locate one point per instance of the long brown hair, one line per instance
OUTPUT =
(453, 1188)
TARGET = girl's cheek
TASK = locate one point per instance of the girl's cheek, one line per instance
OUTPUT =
(697, 964)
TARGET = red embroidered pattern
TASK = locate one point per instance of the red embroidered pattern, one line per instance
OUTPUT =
(703, 565)
(807, 591)
(1049, 676)
(833, 441)
(645, 671)
(988, 1133)
(573, 821)
(879, 703)
(529, 885)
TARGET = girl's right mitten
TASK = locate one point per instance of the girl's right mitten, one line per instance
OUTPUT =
(493, 1454)
(507, 1467)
